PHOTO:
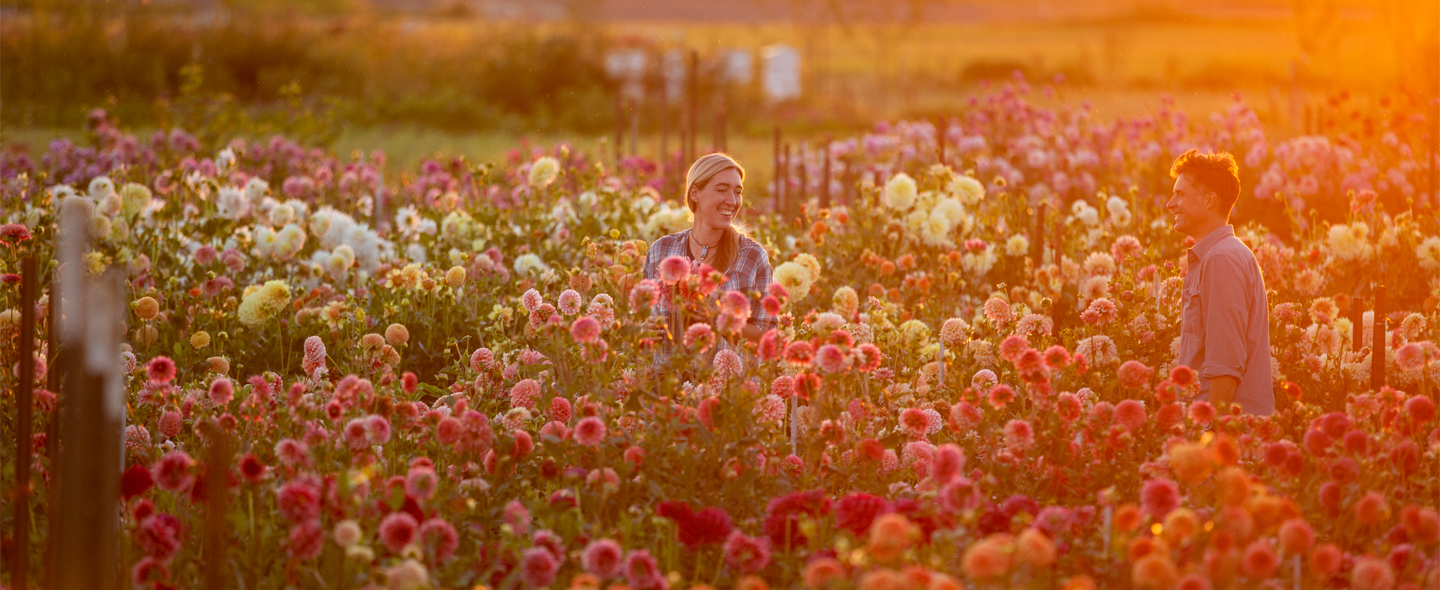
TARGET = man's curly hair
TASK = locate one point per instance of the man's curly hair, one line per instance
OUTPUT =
(1214, 172)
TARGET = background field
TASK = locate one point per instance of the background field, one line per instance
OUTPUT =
(477, 78)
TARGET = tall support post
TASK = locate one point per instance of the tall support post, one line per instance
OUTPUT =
(377, 207)
(786, 162)
(940, 140)
(619, 128)
(1434, 148)
(692, 79)
(779, 175)
(825, 174)
(719, 139)
(634, 115)
(847, 182)
(1357, 323)
(664, 112)
(789, 164)
(92, 323)
(804, 175)
(217, 494)
(20, 567)
(1037, 249)
(52, 426)
(1377, 344)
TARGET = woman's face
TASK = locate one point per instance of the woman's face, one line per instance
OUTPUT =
(717, 204)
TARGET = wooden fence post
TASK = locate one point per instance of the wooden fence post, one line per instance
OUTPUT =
(940, 140)
(1357, 324)
(52, 425)
(719, 139)
(804, 175)
(619, 127)
(20, 566)
(1377, 345)
(92, 323)
(1037, 249)
(825, 174)
(777, 196)
(693, 79)
(634, 129)
(217, 493)
(664, 112)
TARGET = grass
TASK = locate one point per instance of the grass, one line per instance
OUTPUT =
(407, 146)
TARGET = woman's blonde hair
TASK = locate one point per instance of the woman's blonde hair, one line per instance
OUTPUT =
(700, 174)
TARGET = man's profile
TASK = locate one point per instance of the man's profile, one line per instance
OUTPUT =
(1225, 330)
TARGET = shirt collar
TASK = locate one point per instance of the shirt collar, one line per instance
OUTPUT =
(1208, 242)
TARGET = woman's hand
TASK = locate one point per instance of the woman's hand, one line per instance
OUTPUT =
(655, 327)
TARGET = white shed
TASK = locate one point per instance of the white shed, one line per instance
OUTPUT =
(781, 75)
(627, 66)
(737, 66)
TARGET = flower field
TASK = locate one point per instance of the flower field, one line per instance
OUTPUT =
(459, 392)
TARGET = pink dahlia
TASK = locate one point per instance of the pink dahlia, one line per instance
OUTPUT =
(590, 431)
(1130, 414)
(161, 369)
(604, 558)
(306, 540)
(397, 530)
(538, 567)
(438, 538)
(1159, 496)
(673, 269)
(585, 329)
(747, 554)
(174, 472)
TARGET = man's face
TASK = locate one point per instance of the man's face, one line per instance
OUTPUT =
(1190, 206)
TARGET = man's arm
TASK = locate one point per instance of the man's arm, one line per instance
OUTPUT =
(1222, 393)
(1223, 299)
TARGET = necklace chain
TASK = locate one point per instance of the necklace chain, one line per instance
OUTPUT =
(704, 250)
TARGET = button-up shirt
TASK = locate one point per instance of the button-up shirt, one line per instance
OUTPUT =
(1225, 327)
(750, 273)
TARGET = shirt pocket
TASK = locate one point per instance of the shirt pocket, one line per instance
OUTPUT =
(1192, 318)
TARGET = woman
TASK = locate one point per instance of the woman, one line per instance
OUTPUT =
(714, 195)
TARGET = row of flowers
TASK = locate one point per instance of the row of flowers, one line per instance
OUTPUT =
(450, 381)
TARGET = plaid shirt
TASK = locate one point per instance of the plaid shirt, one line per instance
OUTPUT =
(750, 274)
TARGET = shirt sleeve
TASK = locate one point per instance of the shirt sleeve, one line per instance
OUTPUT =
(1225, 306)
(652, 258)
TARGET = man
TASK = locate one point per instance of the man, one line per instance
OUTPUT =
(1225, 329)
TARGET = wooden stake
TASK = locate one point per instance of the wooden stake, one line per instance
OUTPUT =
(804, 176)
(777, 196)
(664, 111)
(634, 115)
(20, 567)
(85, 522)
(825, 174)
(1357, 324)
(718, 142)
(692, 78)
(940, 140)
(52, 425)
(619, 128)
(1377, 345)
(1434, 147)
(789, 165)
(217, 493)
(1037, 249)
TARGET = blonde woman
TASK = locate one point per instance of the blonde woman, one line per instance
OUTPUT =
(714, 194)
